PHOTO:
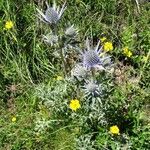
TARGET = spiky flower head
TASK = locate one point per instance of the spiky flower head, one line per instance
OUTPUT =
(91, 88)
(71, 31)
(91, 56)
(95, 58)
(52, 14)
(79, 72)
(50, 38)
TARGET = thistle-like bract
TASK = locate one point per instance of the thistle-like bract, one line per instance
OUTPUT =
(91, 57)
(71, 31)
(52, 14)
(50, 38)
(79, 71)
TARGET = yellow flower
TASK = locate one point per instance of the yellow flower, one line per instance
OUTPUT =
(9, 24)
(58, 78)
(127, 52)
(13, 119)
(74, 104)
(108, 46)
(103, 39)
(114, 129)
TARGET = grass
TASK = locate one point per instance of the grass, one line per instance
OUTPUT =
(26, 63)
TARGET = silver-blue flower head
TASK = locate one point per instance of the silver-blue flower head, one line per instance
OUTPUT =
(91, 88)
(79, 72)
(91, 57)
(52, 14)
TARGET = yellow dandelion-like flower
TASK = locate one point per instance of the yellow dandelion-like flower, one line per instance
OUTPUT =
(103, 39)
(114, 129)
(13, 119)
(58, 78)
(9, 25)
(74, 104)
(127, 52)
(108, 46)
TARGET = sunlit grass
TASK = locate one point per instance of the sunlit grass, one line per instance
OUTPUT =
(28, 64)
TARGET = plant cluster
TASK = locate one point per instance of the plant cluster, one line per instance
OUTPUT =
(75, 76)
(82, 95)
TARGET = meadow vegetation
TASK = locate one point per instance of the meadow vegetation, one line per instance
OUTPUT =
(80, 81)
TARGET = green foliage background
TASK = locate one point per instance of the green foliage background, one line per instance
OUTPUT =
(26, 62)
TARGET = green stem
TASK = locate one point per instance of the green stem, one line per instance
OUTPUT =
(54, 29)
(62, 55)
(63, 61)
(93, 73)
(55, 32)
(147, 59)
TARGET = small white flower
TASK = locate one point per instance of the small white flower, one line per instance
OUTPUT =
(52, 14)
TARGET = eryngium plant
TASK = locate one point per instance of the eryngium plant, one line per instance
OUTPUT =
(91, 57)
(52, 14)
(61, 40)
(84, 142)
(87, 85)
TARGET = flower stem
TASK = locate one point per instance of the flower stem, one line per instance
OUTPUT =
(63, 61)
(93, 73)
(54, 29)
(62, 55)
